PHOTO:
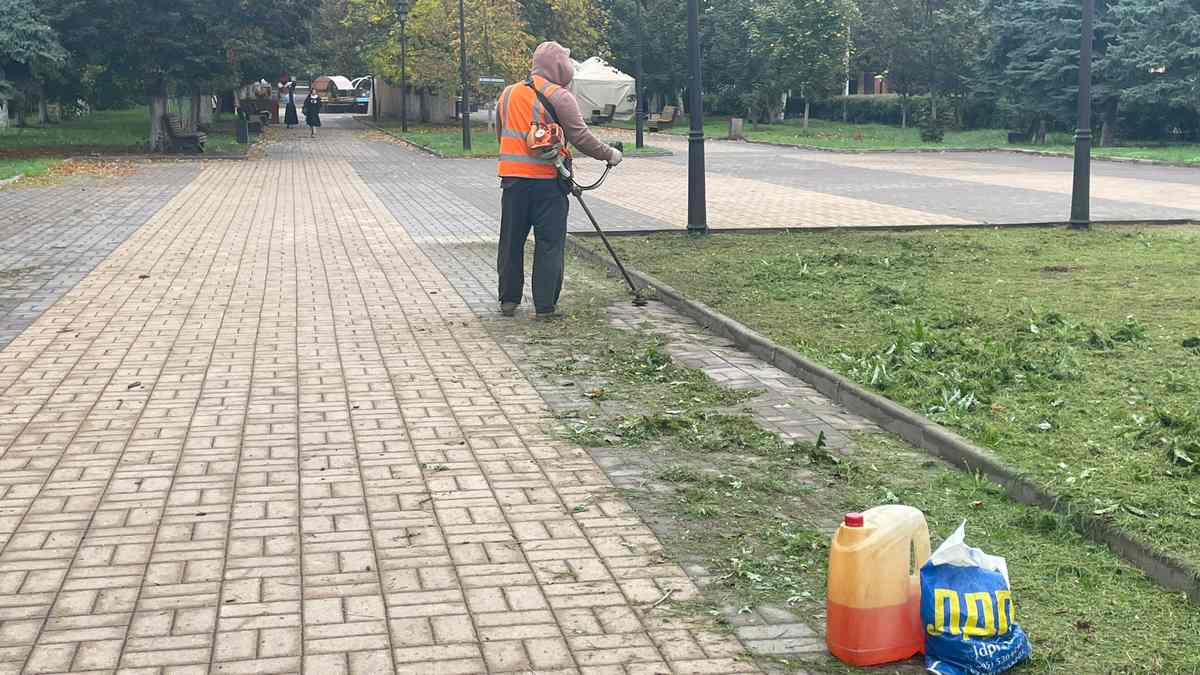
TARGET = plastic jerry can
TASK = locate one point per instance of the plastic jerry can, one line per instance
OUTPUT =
(873, 605)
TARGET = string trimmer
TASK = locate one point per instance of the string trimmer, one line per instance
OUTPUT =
(578, 190)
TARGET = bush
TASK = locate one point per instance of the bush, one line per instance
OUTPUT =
(884, 109)
(1156, 122)
(933, 127)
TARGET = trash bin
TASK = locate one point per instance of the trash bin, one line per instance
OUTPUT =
(243, 129)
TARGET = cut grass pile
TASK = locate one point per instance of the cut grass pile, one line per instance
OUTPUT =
(759, 512)
(104, 131)
(1074, 356)
(839, 136)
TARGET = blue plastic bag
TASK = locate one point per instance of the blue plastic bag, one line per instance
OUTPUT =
(967, 611)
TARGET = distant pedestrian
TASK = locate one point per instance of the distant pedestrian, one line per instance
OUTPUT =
(312, 112)
(289, 115)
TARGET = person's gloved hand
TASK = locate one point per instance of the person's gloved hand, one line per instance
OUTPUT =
(616, 157)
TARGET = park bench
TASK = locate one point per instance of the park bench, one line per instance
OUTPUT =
(663, 120)
(604, 117)
(183, 140)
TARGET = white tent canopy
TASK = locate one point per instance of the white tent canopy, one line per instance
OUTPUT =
(597, 84)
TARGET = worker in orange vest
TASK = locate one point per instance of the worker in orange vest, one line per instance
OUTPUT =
(536, 120)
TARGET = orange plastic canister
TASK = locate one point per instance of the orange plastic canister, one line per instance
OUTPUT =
(874, 600)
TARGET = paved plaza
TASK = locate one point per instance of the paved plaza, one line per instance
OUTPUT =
(262, 416)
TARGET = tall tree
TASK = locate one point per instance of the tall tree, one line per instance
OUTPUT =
(1032, 58)
(497, 41)
(1153, 58)
(576, 24)
(663, 25)
(29, 48)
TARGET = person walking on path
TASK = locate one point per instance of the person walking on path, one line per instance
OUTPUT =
(289, 114)
(533, 196)
(312, 112)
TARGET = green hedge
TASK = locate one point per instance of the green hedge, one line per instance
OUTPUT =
(866, 109)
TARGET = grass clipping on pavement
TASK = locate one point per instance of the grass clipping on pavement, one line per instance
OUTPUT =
(758, 512)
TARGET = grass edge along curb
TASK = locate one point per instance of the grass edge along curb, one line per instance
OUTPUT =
(1168, 571)
(411, 144)
(929, 150)
(934, 150)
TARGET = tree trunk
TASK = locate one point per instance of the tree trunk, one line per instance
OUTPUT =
(3, 113)
(1108, 132)
(1041, 133)
(20, 113)
(43, 111)
(903, 115)
(158, 108)
(423, 100)
(205, 111)
(194, 113)
(806, 113)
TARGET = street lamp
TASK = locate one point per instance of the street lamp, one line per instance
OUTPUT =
(697, 216)
(462, 70)
(639, 112)
(1081, 189)
(402, 12)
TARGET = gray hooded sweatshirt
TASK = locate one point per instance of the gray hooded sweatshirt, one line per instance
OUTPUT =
(553, 62)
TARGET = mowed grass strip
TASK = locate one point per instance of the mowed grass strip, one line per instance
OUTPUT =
(759, 511)
(104, 131)
(1074, 356)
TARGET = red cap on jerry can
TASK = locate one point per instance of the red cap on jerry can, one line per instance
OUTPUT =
(854, 520)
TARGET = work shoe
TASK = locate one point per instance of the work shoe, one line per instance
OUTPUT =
(551, 313)
(508, 308)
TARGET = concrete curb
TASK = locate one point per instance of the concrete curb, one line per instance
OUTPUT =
(825, 229)
(1170, 572)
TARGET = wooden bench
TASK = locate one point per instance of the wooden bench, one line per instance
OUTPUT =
(663, 120)
(182, 141)
(606, 116)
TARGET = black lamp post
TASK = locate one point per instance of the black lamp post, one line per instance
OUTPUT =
(639, 113)
(697, 215)
(402, 12)
(462, 71)
(1081, 189)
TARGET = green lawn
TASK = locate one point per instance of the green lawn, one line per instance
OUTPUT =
(447, 140)
(758, 512)
(838, 136)
(1074, 356)
(104, 131)
(25, 167)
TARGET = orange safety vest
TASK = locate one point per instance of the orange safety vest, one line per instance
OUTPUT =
(518, 107)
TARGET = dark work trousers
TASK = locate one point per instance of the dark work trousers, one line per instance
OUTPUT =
(541, 205)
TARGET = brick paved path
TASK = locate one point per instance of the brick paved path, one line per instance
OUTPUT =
(764, 186)
(51, 237)
(273, 427)
(266, 434)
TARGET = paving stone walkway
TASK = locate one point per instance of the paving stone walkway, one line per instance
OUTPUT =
(262, 417)
(266, 434)
(51, 237)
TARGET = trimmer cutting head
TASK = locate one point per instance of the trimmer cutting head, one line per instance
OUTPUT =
(639, 301)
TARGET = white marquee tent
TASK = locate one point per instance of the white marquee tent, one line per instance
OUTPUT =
(597, 84)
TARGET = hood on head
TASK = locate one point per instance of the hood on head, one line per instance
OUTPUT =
(553, 62)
